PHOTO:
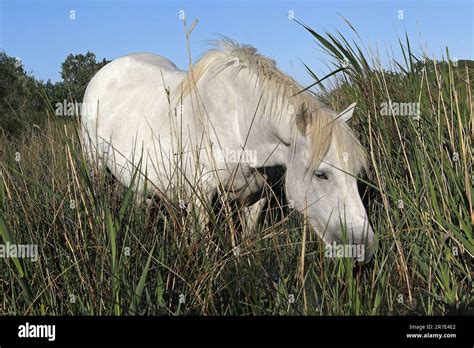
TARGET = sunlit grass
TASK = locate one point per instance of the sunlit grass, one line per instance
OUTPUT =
(102, 251)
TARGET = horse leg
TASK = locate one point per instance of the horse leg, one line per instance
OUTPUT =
(202, 204)
(202, 217)
(251, 216)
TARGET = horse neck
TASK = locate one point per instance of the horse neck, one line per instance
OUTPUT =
(272, 133)
(269, 135)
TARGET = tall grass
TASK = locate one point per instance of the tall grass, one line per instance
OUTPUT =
(104, 251)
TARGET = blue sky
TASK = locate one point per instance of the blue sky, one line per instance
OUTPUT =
(41, 33)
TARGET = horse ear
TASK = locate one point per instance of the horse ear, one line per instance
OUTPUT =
(346, 115)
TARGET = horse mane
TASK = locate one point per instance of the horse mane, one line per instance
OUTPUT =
(280, 93)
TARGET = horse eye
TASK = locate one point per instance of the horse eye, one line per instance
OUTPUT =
(321, 175)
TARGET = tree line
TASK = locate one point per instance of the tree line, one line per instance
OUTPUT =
(26, 101)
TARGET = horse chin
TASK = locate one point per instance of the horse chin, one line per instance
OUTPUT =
(332, 239)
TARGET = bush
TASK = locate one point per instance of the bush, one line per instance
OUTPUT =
(21, 103)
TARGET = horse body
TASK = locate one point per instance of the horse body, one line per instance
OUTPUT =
(125, 100)
(196, 130)
(131, 111)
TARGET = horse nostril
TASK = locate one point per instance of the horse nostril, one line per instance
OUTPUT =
(363, 243)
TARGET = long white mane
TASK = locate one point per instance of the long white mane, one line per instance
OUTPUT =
(280, 96)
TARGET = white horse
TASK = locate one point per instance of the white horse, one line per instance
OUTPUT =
(210, 128)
